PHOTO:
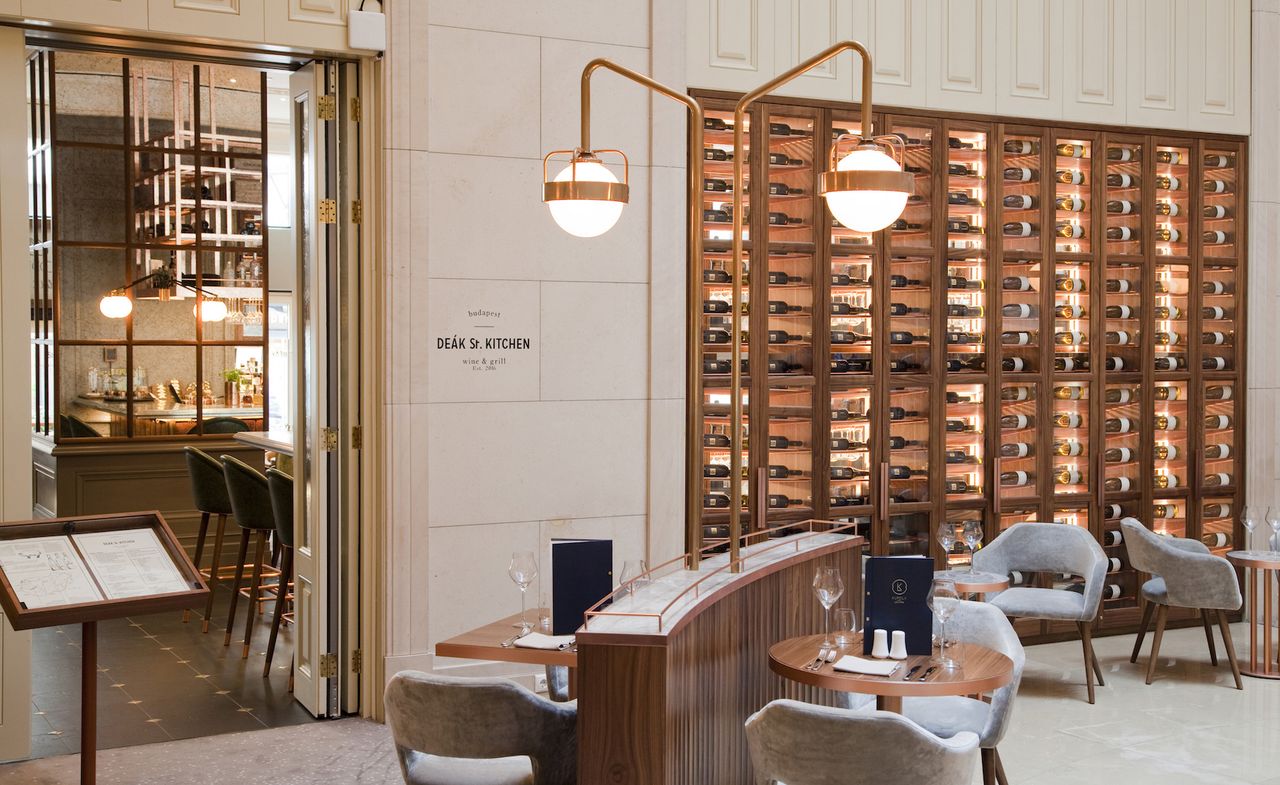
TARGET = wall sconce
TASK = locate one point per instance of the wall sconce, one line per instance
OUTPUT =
(117, 304)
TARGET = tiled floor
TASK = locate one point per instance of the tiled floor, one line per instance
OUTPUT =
(160, 680)
(1190, 726)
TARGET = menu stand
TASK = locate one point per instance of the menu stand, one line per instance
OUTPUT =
(82, 570)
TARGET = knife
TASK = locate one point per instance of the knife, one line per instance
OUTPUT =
(928, 673)
(912, 672)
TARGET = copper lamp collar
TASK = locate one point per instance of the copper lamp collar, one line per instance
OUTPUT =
(593, 190)
(836, 181)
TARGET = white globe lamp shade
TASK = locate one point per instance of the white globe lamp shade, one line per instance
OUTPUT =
(115, 306)
(586, 217)
(867, 210)
(210, 310)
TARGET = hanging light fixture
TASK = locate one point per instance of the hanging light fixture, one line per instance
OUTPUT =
(867, 189)
(585, 198)
(117, 304)
(210, 309)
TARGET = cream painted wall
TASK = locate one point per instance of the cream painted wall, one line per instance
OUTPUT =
(580, 435)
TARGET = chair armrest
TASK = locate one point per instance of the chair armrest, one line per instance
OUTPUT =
(1202, 580)
(1187, 544)
(964, 741)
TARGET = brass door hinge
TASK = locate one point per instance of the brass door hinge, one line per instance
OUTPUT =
(357, 661)
(329, 438)
(328, 211)
(328, 666)
(357, 211)
(327, 107)
(357, 437)
(355, 109)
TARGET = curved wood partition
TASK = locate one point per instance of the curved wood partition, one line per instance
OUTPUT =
(663, 701)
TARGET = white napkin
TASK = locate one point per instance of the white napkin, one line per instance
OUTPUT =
(536, 640)
(852, 664)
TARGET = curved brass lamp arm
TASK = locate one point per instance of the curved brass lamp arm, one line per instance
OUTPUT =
(693, 290)
(739, 160)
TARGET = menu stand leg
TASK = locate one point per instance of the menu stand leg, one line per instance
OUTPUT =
(88, 703)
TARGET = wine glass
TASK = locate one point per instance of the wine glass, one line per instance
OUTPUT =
(1273, 521)
(972, 535)
(828, 587)
(1250, 523)
(947, 539)
(942, 601)
(523, 569)
(634, 576)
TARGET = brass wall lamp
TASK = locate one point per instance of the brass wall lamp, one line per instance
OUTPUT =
(866, 189)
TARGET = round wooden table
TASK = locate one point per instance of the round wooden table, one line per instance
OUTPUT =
(974, 582)
(979, 669)
(1259, 564)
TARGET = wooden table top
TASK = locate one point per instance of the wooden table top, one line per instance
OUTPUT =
(974, 582)
(1259, 560)
(980, 670)
(485, 643)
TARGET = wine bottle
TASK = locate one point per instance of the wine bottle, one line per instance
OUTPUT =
(782, 159)
(1168, 182)
(778, 501)
(1019, 174)
(847, 473)
(962, 198)
(961, 170)
(715, 306)
(1069, 176)
(1016, 422)
(959, 226)
(1118, 455)
(1213, 363)
(844, 279)
(1122, 154)
(960, 282)
(781, 219)
(844, 337)
(1017, 283)
(955, 485)
(1216, 186)
(781, 307)
(1020, 202)
(902, 337)
(1113, 363)
(959, 426)
(902, 282)
(715, 500)
(782, 279)
(782, 189)
(1216, 539)
(1215, 237)
(1168, 208)
(1069, 420)
(716, 366)
(783, 443)
(1217, 480)
(715, 470)
(1120, 207)
(716, 276)
(716, 336)
(903, 225)
(897, 365)
(962, 311)
(1118, 425)
(1215, 313)
(715, 124)
(1166, 393)
(846, 309)
(1113, 537)
(1068, 283)
(1165, 511)
(1217, 422)
(1021, 146)
(1017, 450)
(715, 440)
(716, 216)
(1122, 234)
(1168, 312)
(1120, 286)
(1118, 338)
(1068, 447)
(1166, 452)
(1119, 395)
(902, 309)
(1216, 338)
(1069, 150)
(1168, 235)
(1218, 393)
(1070, 338)
(1168, 157)
(1166, 481)
(716, 154)
(1013, 364)
(974, 363)
(1079, 362)
(1163, 338)
(782, 337)
(1016, 479)
(1015, 393)
(1110, 592)
(1069, 203)
(1215, 452)
(960, 338)
(1169, 362)
(899, 413)
(1217, 161)
(1019, 229)
(1020, 311)
(1117, 180)
(1216, 211)
(1065, 475)
(1216, 510)
(1118, 484)
(1068, 392)
(906, 472)
(1166, 422)
(1120, 312)
(715, 184)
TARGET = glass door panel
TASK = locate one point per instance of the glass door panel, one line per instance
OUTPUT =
(1171, 318)
(960, 556)
(1218, 317)
(966, 316)
(1070, 462)
(909, 534)
(790, 190)
(789, 468)
(908, 468)
(1218, 526)
(1072, 223)
(850, 315)
(1122, 434)
(1123, 189)
(1018, 438)
(717, 481)
(1122, 338)
(1071, 323)
(1221, 203)
(1119, 571)
(717, 175)
(1020, 316)
(910, 294)
(1173, 201)
(965, 403)
(914, 229)
(966, 190)
(1170, 432)
(1218, 451)
(1020, 194)
(850, 449)
(843, 128)
(1169, 516)
(789, 315)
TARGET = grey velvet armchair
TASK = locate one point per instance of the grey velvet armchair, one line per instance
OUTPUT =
(803, 744)
(455, 731)
(984, 625)
(1183, 575)
(1050, 547)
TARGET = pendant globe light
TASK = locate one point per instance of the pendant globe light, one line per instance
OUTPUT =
(867, 189)
(585, 198)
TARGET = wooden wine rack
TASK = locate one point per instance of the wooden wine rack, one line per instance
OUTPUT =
(944, 349)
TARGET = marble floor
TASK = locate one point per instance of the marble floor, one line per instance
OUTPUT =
(1189, 726)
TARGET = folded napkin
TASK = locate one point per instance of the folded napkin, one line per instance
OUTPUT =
(852, 664)
(536, 640)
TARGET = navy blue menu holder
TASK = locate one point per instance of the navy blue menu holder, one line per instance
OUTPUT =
(897, 599)
(581, 576)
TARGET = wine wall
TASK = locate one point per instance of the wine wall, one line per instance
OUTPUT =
(1052, 330)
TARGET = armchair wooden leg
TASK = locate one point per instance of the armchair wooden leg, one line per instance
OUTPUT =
(1086, 632)
(988, 766)
(1230, 647)
(1208, 636)
(1142, 630)
(1001, 779)
(235, 587)
(1088, 657)
(1162, 616)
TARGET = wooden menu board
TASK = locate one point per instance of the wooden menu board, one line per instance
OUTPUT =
(73, 570)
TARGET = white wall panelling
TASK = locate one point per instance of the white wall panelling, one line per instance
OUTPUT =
(1178, 64)
(230, 19)
(318, 22)
(130, 14)
(1029, 58)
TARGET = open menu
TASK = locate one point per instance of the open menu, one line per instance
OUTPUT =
(89, 567)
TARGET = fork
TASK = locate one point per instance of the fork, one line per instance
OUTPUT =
(818, 661)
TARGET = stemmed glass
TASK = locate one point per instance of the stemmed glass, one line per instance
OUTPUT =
(1250, 523)
(942, 601)
(828, 587)
(947, 539)
(523, 569)
(1274, 522)
(972, 535)
(633, 576)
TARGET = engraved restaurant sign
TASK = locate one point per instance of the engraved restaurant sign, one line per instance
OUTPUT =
(483, 341)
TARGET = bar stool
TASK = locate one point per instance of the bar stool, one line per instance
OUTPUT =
(251, 501)
(209, 490)
(280, 486)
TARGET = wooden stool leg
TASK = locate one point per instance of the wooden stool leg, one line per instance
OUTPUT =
(1142, 630)
(254, 588)
(1162, 616)
(1230, 647)
(988, 767)
(286, 572)
(235, 586)
(214, 566)
(204, 531)
(1208, 636)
